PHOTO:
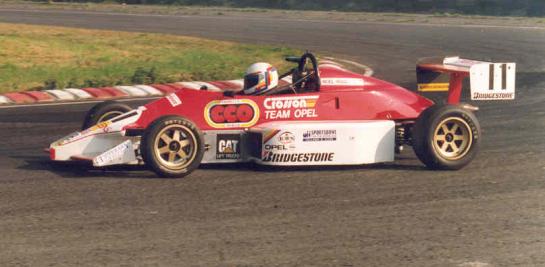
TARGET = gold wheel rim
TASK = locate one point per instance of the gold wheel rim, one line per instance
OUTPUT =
(109, 115)
(452, 138)
(174, 147)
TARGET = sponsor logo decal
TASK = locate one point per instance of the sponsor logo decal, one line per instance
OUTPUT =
(432, 81)
(174, 100)
(270, 156)
(495, 81)
(113, 155)
(228, 146)
(290, 107)
(490, 96)
(268, 147)
(319, 135)
(286, 138)
(231, 113)
(101, 126)
(342, 81)
(285, 142)
(433, 87)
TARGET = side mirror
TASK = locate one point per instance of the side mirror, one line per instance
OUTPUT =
(293, 59)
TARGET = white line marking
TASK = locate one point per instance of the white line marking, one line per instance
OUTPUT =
(329, 65)
(474, 264)
(329, 62)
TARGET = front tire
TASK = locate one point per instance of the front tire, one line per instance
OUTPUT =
(172, 147)
(103, 112)
(446, 137)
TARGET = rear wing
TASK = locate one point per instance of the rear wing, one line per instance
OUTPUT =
(488, 81)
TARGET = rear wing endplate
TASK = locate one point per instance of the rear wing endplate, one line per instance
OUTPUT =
(488, 81)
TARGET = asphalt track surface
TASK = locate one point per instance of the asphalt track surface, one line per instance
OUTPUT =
(491, 213)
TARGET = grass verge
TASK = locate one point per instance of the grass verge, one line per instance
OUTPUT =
(44, 57)
(366, 17)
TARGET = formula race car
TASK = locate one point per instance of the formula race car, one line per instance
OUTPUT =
(326, 115)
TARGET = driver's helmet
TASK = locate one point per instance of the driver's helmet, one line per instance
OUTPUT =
(260, 78)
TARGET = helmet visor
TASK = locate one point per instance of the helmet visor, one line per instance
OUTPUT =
(252, 80)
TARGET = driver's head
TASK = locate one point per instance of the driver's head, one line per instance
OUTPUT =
(260, 78)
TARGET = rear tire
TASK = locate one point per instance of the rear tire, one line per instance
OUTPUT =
(446, 137)
(172, 147)
(103, 112)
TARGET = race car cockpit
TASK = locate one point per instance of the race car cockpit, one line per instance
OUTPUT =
(305, 78)
(262, 78)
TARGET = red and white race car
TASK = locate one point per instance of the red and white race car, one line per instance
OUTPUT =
(326, 116)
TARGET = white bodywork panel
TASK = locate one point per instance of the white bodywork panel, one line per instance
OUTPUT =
(301, 143)
(104, 144)
(326, 143)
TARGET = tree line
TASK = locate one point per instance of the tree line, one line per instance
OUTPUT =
(474, 7)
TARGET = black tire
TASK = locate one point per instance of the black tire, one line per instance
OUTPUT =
(446, 137)
(166, 158)
(102, 112)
